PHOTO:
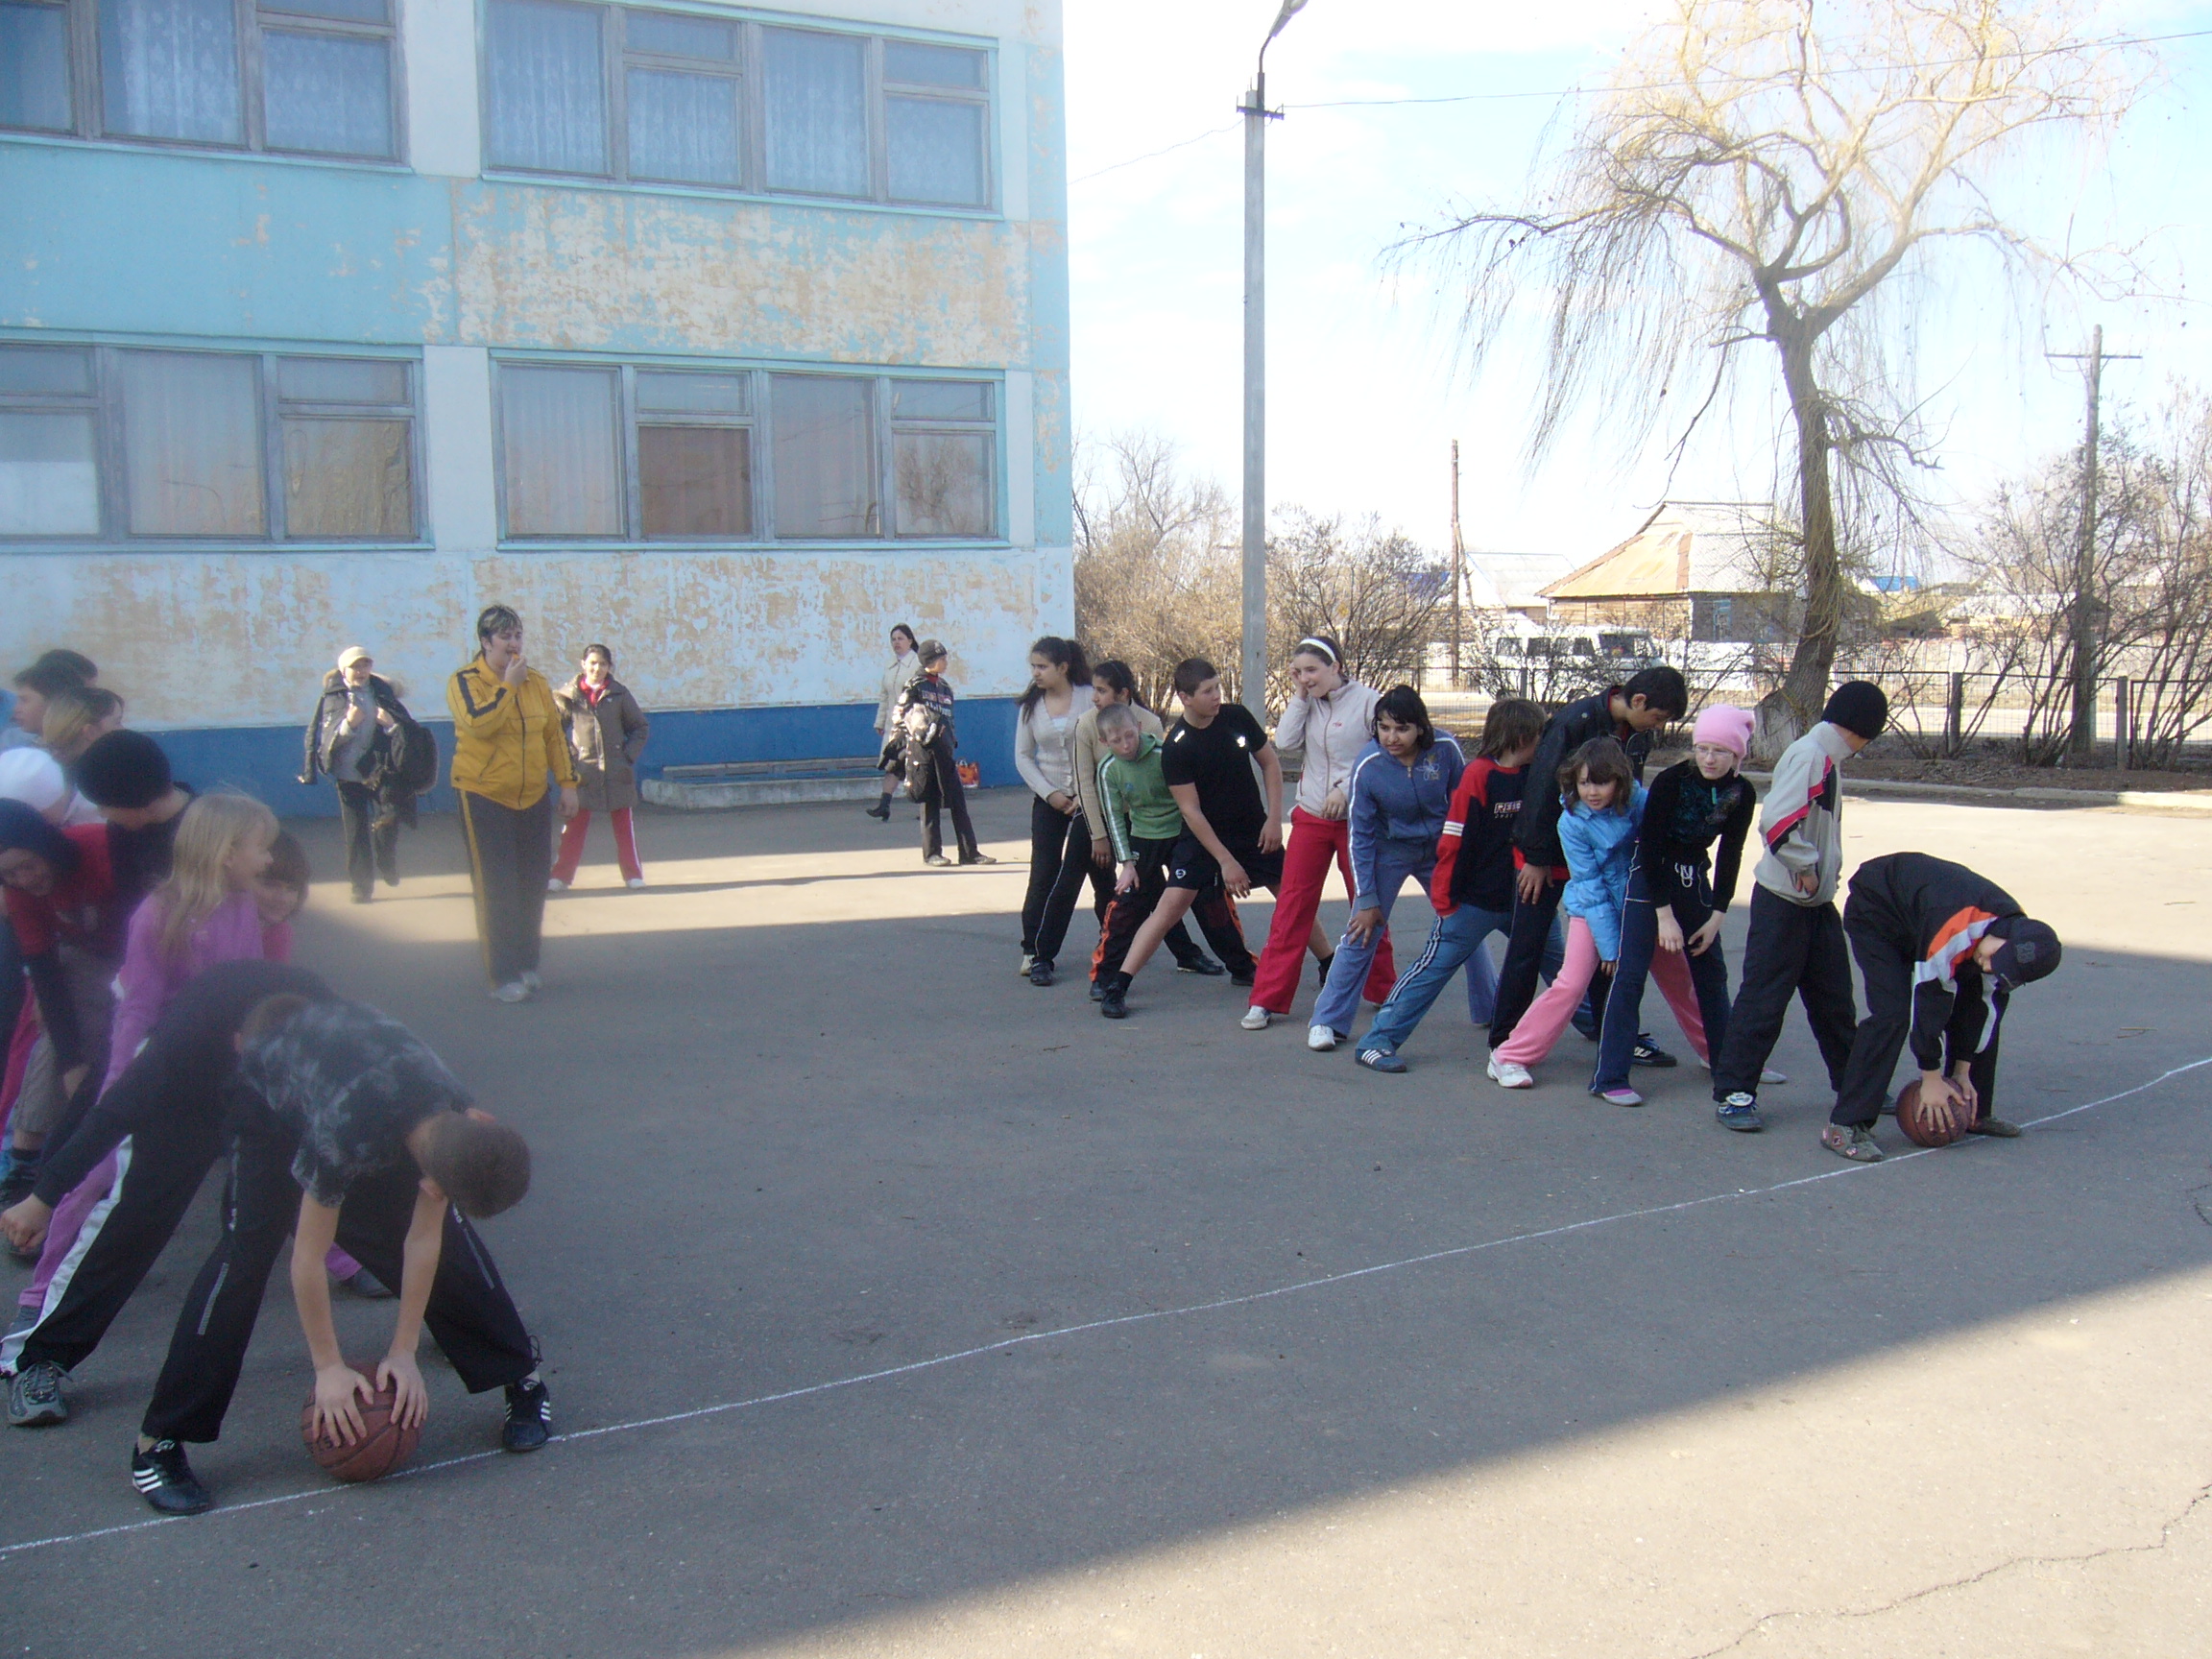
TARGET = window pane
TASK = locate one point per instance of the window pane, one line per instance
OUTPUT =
(706, 393)
(341, 381)
(683, 127)
(326, 94)
(354, 11)
(944, 483)
(49, 483)
(941, 399)
(563, 467)
(35, 67)
(168, 69)
(45, 368)
(348, 478)
(697, 480)
(931, 66)
(191, 444)
(817, 92)
(824, 457)
(936, 150)
(545, 93)
(679, 36)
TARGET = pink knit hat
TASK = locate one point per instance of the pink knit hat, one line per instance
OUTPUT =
(1725, 726)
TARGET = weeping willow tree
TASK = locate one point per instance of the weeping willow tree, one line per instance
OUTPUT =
(1770, 183)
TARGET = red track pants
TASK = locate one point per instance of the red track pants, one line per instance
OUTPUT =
(1314, 843)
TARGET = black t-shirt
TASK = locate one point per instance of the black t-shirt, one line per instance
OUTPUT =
(140, 858)
(1217, 759)
(351, 1084)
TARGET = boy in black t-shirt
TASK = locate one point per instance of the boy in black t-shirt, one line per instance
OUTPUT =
(1230, 836)
(347, 1131)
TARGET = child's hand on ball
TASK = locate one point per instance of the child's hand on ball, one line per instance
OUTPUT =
(410, 1400)
(338, 1389)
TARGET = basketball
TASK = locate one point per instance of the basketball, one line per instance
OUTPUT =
(1929, 1125)
(383, 1446)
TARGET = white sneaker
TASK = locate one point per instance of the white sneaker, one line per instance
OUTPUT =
(1027, 962)
(1320, 1039)
(514, 991)
(531, 981)
(1256, 1019)
(1511, 1075)
(554, 884)
(634, 881)
(1770, 1075)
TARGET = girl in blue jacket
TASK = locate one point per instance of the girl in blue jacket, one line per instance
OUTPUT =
(1401, 791)
(1602, 806)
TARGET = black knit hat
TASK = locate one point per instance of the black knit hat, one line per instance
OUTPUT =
(125, 769)
(2030, 950)
(23, 829)
(1860, 707)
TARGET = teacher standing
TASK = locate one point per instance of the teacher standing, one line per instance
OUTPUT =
(507, 740)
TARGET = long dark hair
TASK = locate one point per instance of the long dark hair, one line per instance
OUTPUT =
(1117, 677)
(1063, 653)
(1402, 703)
(912, 643)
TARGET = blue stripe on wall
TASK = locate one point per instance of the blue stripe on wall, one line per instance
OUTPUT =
(264, 760)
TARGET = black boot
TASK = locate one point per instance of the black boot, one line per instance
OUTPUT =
(1113, 997)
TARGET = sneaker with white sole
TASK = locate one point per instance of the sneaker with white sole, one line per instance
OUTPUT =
(1768, 1074)
(35, 1396)
(1739, 1112)
(1380, 1060)
(514, 991)
(1028, 961)
(554, 884)
(1853, 1141)
(1321, 1039)
(1256, 1019)
(635, 882)
(1620, 1095)
(165, 1480)
(1510, 1075)
(532, 982)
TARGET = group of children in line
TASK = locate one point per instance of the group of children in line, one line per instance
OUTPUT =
(1549, 837)
(153, 929)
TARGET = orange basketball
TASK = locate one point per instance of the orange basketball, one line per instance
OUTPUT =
(382, 1446)
(1935, 1125)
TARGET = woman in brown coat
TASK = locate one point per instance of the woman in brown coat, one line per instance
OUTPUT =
(605, 734)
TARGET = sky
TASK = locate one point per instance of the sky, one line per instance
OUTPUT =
(1366, 387)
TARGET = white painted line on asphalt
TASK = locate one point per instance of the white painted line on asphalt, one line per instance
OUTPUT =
(1226, 1302)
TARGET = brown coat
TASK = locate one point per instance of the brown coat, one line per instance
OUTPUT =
(605, 739)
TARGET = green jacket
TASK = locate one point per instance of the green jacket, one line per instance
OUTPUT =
(1138, 801)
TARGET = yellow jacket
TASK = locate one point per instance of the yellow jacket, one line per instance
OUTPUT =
(506, 738)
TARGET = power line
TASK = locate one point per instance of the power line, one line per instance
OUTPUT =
(1154, 154)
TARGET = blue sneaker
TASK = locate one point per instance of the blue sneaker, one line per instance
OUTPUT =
(1739, 1112)
(1380, 1060)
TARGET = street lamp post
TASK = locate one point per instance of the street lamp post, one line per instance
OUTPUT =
(1252, 665)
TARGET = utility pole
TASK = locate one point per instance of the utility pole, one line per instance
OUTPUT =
(1252, 657)
(1458, 567)
(2081, 744)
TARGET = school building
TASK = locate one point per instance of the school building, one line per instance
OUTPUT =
(729, 337)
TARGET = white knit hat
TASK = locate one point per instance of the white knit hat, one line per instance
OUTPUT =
(32, 777)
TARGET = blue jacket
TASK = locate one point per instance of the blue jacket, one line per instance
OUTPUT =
(1402, 808)
(1599, 848)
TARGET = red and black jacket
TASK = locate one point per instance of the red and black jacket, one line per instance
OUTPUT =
(1934, 913)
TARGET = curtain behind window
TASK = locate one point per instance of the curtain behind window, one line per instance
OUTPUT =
(191, 444)
(825, 459)
(35, 67)
(563, 474)
(545, 94)
(683, 127)
(936, 150)
(168, 69)
(49, 483)
(817, 110)
(326, 94)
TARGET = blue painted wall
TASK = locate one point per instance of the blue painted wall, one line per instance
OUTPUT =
(264, 760)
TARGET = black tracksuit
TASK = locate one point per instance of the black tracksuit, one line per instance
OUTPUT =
(164, 1121)
(511, 855)
(470, 1315)
(1913, 922)
(1536, 843)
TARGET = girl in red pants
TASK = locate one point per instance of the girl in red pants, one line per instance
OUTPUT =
(1329, 719)
(605, 734)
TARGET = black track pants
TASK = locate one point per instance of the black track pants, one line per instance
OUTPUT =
(509, 859)
(1880, 1041)
(944, 792)
(1791, 950)
(471, 1315)
(1216, 917)
(371, 838)
(1059, 859)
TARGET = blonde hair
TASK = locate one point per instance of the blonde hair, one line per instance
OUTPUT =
(210, 830)
(72, 713)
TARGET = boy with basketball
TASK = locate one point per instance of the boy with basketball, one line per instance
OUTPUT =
(346, 1129)
(1941, 950)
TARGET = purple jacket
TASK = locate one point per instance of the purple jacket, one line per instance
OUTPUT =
(148, 980)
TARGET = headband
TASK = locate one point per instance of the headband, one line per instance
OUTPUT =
(1320, 647)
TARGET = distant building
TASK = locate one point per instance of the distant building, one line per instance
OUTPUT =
(1513, 582)
(1697, 570)
(728, 336)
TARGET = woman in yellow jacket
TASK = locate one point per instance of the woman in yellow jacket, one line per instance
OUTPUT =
(507, 738)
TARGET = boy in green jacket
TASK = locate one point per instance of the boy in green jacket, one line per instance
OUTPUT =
(1143, 825)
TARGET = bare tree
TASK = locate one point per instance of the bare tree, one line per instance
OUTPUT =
(1156, 572)
(1764, 172)
(1376, 592)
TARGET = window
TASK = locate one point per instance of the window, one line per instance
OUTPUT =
(838, 114)
(123, 444)
(180, 71)
(646, 452)
(941, 437)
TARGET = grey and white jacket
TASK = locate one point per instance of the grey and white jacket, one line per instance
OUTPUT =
(1802, 820)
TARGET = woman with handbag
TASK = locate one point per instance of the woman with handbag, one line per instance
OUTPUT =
(605, 734)
(350, 738)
